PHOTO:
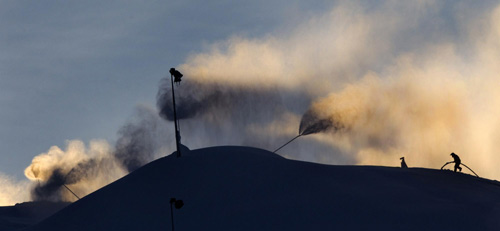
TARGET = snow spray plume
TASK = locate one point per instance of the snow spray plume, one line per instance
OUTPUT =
(13, 191)
(228, 113)
(87, 169)
(81, 169)
(210, 99)
(436, 87)
(376, 117)
(198, 99)
(51, 189)
(311, 123)
(235, 114)
(309, 61)
(192, 100)
(137, 143)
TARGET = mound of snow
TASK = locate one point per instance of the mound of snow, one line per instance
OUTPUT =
(241, 188)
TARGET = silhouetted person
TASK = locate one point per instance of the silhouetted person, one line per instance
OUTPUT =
(177, 75)
(403, 163)
(457, 161)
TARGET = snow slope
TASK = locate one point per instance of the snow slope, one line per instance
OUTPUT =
(241, 188)
(27, 214)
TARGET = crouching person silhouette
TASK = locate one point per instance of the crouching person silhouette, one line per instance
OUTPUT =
(403, 163)
(457, 161)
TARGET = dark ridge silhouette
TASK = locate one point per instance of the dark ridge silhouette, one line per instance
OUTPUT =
(23, 215)
(266, 190)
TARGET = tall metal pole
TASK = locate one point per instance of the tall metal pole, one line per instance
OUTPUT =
(177, 134)
(172, 215)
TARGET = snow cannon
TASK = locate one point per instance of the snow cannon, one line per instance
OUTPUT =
(312, 123)
(309, 124)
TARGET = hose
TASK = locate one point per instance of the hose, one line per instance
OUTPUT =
(460, 164)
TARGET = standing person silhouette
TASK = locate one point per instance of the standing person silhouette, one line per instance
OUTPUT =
(457, 161)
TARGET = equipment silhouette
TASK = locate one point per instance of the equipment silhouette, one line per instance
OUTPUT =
(403, 163)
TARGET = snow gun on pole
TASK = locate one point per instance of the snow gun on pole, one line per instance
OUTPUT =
(175, 74)
(460, 164)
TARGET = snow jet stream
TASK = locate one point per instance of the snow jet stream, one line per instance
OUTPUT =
(83, 170)
(371, 83)
(198, 99)
(219, 114)
(375, 82)
(387, 116)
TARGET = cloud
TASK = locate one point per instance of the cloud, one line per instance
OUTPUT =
(400, 78)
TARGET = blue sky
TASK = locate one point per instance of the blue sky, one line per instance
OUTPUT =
(76, 69)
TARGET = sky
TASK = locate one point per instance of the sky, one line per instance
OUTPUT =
(76, 70)
(414, 78)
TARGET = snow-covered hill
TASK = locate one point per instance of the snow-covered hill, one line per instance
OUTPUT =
(241, 188)
(27, 214)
